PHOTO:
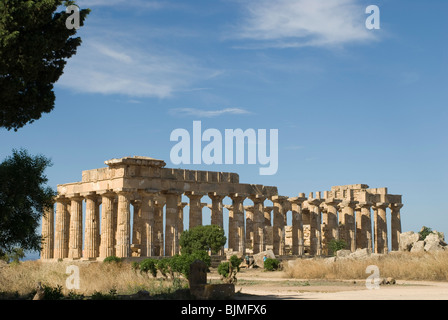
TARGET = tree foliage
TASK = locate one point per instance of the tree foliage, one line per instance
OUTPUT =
(202, 238)
(23, 198)
(34, 47)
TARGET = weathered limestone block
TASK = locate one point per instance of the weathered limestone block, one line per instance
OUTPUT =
(361, 254)
(259, 257)
(407, 239)
(343, 253)
(418, 246)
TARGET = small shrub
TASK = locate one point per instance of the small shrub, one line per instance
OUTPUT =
(135, 266)
(112, 295)
(336, 245)
(424, 233)
(112, 259)
(271, 264)
(228, 269)
(149, 265)
(52, 293)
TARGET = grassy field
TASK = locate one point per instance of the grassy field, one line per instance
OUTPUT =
(399, 265)
(20, 280)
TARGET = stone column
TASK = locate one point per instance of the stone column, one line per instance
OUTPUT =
(195, 216)
(315, 225)
(395, 225)
(380, 227)
(267, 216)
(137, 227)
(75, 239)
(297, 224)
(249, 210)
(107, 245)
(347, 225)
(180, 223)
(47, 234)
(331, 206)
(92, 228)
(278, 232)
(158, 225)
(232, 228)
(62, 228)
(123, 238)
(258, 223)
(147, 224)
(237, 231)
(171, 232)
(364, 226)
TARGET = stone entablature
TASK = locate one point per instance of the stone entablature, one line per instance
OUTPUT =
(150, 189)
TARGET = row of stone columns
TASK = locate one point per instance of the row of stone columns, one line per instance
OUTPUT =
(327, 219)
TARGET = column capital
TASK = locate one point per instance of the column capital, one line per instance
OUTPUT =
(74, 197)
(237, 196)
(257, 198)
(172, 191)
(297, 200)
(363, 204)
(216, 195)
(395, 206)
(380, 205)
(148, 192)
(314, 202)
(125, 191)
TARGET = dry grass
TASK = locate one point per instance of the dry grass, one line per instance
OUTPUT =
(94, 277)
(399, 265)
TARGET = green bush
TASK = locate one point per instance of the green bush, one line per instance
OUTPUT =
(229, 269)
(336, 245)
(271, 264)
(52, 293)
(202, 238)
(424, 233)
(112, 259)
(149, 265)
(224, 269)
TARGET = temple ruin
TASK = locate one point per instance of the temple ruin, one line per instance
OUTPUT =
(139, 192)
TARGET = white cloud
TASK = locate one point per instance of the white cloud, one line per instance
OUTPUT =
(298, 23)
(119, 63)
(206, 113)
(130, 3)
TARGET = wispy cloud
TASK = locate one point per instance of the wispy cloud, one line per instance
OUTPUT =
(182, 112)
(129, 3)
(118, 63)
(299, 23)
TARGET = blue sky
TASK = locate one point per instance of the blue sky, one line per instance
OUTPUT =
(351, 105)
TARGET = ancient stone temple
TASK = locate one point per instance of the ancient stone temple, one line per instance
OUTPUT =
(133, 208)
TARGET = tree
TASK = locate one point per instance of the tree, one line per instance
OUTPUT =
(23, 199)
(205, 238)
(34, 46)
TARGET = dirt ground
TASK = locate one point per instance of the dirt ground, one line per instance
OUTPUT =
(257, 284)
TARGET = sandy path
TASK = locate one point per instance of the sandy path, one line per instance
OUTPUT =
(256, 284)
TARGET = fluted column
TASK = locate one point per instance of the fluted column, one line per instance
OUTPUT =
(380, 227)
(107, 244)
(180, 223)
(171, 225)
(331, 206)
(62, 228)
(137, 225)
(47, 251)
(75, 238)
(147, 223)
(258, 226)
(267, 216)
(123, 238)
(237, 231)
(158, 225)
(217, 206)
(278, 227)
(195, 216)
(364, 226)
(395, 225)
(249, 211)
(347, 223)
(92, 227)
(315, 225)
(297, 224)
